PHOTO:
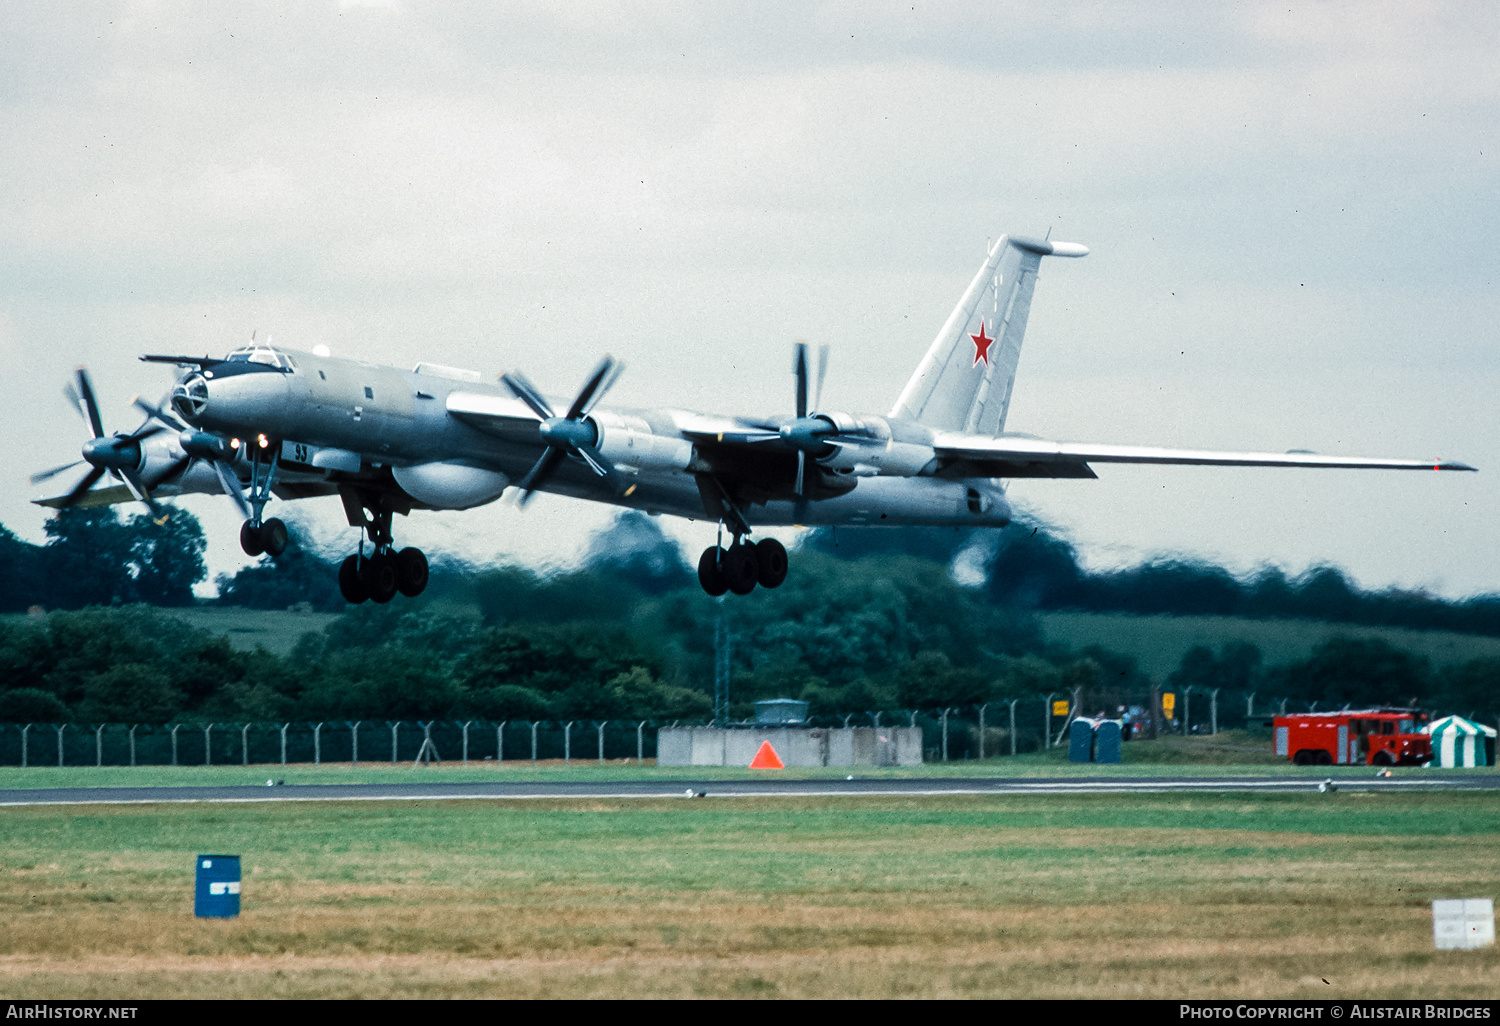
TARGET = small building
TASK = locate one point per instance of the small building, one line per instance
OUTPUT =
(1460, 742)
(780, 710)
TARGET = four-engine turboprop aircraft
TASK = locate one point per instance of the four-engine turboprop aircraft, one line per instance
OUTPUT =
(266, 421)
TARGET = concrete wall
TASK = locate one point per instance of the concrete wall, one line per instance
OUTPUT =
(797, 746)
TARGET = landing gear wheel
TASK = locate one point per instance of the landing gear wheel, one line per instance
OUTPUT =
(770, 556)
(411, 572)
(274, 537)
(378, 575)
(741, 568)
(711, 571)
(350, 585)
(250, 539)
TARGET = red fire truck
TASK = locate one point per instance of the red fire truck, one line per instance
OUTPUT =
(1365, 737)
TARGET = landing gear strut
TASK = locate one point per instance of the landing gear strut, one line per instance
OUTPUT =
(385, 571)
(742, 566)
(258, 535)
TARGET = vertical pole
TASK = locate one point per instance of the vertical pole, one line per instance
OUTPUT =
(847, 719)
(208, 744)
(945, 734)
(500, 743)
(1187, 710)
(1047, 721)
(640, 741)
(981, 729)
(466, 742)
(393, 740)
(99, 745)
(59, 742)
(876, 717)
(354, 742)
(132, 743)
(534, 725)
(568, 743)
(1283, 707)
(174, 743)
(284, 727)
(1013, 702)
(1213, 711)
(245, 745)
(317, 744)
(599, 724)
(25, 736)
(1249, 706)
(1073, 712)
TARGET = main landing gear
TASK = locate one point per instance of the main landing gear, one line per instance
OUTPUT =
(258, 535)
(742, 566)
(385, 571)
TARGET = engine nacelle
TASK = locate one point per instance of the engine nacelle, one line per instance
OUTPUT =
(450, 485)
(629, 442)
(866, 448)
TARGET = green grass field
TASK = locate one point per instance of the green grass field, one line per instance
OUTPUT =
(1111, 896)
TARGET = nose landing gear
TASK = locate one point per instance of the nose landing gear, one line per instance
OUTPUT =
(742, 566)
(258, 535)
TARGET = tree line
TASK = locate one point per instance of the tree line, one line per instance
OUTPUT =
(629, 634)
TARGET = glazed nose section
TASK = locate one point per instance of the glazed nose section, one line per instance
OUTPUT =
(190, 397)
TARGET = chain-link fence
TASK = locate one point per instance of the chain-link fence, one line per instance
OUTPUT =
(998, 728)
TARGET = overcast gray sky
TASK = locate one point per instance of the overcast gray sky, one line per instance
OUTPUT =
(1292, 210)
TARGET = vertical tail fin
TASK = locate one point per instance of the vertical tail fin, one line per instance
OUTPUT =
(964, 381)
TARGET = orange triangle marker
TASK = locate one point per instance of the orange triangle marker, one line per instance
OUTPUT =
(766, 758)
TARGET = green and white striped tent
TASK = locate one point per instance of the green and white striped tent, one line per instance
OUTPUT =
(1460, 742)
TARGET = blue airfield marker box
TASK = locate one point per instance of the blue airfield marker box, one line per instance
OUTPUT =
(216, 894)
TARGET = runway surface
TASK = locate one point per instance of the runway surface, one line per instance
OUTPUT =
(688, 787)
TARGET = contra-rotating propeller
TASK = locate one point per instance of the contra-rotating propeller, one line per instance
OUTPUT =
(199, 446)
(571, 434)
(807, 434)
(118, 454)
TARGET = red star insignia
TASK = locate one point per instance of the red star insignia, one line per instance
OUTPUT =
(981, 346)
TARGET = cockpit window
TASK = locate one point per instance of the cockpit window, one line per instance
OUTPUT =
(262, 354)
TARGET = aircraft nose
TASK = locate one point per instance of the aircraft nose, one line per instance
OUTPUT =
(190, 397)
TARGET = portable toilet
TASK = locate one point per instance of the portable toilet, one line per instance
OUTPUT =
(1081, 740)
(1107, 737)
(1460, 742)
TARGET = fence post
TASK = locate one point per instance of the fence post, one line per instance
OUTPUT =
(208, 752)
(354, 742)
(59, 730)
(284, 727)
(317, 744)
(913, 723)
(393, 727)
(640, 741)
(25, 736)
(465, 726)
(1283, 707)
(534, 725)
(132, 742)
(1156, 712)
(1047, 721)
(175, 728)
(982, 708)
(568, 743)
(99, 745)
(245, 744)
(1187, 710)
(1213, 711)
(1249, 707)
(1013, 702)
(500, 743)
(599, 725)
(945, 733)
(875, 717)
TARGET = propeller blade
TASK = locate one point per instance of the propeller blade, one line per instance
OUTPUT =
(601, 466)
(43, 475)
(527, 393)
(801, 469)
(82, 487)
(160, 413)
(231, 486)
(540, 472)
(172, 471)
(145, 431)
(586, 394)
(799, 368)
(90, 403)
(817, 402)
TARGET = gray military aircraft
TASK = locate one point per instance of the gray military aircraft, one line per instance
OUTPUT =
(266, 422)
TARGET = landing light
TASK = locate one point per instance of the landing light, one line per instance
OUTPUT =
(234, 443)
(262, 440)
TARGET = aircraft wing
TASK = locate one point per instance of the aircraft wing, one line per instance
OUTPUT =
(1021, 456)
(95, 497)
